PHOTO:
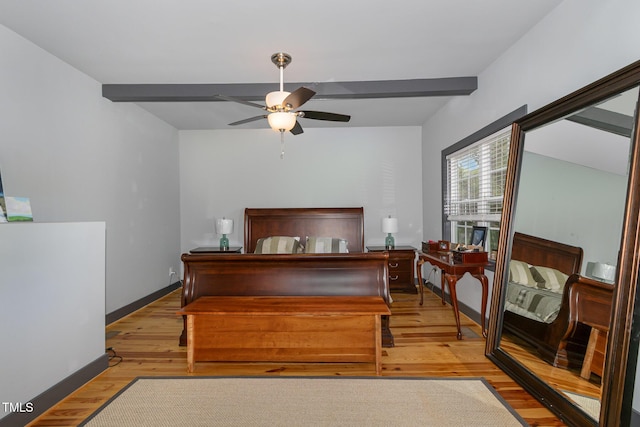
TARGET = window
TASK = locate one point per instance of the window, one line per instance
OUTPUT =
(473, 182)
(475, 186)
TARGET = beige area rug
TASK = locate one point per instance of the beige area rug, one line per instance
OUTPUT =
(305, 401)
(588, 404)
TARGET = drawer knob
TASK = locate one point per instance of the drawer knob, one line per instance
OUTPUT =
(394, 265)
(393, 277)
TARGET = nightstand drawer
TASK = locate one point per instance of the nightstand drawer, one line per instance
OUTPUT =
(399, 277)
(400, 265)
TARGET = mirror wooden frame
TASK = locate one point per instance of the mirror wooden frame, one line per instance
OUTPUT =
(616, 407)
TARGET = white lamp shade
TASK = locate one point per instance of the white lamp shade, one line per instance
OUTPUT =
(224, 226)
(389, 225)
(282, 121)
(274, 99)
(604, 271)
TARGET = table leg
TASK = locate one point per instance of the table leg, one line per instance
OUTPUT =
(190, 343)
(485, 293)
(378, 343)
(419, 264)
(588, 354)
(442, 283)
(452, 280)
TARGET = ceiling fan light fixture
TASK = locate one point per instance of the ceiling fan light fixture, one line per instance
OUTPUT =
(281, 121)
(275, 99)
(282, 107)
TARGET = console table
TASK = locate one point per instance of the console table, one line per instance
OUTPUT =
(451, 271)
(285, 329)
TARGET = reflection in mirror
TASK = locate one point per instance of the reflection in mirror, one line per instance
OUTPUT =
(567, 225)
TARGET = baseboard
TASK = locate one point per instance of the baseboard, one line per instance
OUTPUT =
(136, 305)
(42, 403)
(635, 418)
(56, 393)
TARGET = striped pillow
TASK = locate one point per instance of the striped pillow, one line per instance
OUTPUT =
(278, 245)
(519, 273)
(549, 278)
(325, 245)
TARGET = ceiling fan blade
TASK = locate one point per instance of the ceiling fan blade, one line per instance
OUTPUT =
(321, 115)
(298, 97)
(297, 129)
(241, 101)
(250, 119)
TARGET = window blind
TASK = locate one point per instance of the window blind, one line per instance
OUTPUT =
(476, 179)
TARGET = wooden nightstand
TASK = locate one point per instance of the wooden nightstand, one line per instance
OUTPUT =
(401, 270)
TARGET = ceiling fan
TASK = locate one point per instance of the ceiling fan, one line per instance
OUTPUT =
(282, 113)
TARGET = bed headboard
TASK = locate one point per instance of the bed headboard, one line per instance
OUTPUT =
(343, 223)
(546, 253)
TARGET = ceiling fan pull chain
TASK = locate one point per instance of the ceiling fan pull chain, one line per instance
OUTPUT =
(281, 144)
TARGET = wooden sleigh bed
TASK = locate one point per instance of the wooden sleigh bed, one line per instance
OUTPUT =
(553, 321)
(356, 273)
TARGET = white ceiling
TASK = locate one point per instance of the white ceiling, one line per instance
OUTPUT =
(206, 41)
(586, 145)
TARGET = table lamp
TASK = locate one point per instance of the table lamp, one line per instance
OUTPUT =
(603, 271)
(389, 226)
(224, 226)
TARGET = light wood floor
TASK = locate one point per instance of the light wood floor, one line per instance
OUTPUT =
(425, 346)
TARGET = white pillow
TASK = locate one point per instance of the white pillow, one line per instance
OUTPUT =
(325, 245)
(278, 245)
(519, 273)
(550, 278)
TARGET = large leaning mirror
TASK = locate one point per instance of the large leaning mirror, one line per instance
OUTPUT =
(566, 272)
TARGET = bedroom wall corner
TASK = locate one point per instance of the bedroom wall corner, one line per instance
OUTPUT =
(81, 157)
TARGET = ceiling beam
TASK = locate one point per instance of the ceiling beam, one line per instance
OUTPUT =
(450, 86)
(609, 121)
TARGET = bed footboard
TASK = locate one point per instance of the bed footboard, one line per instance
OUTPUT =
(353, 274)
(586, 304)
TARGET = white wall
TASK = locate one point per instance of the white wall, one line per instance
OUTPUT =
(549, 192)
(52, 322)
(225, 171)
(577, 43)
(80, 157)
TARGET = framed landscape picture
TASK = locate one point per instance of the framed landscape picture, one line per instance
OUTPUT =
(3, 207)
(18, 209)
